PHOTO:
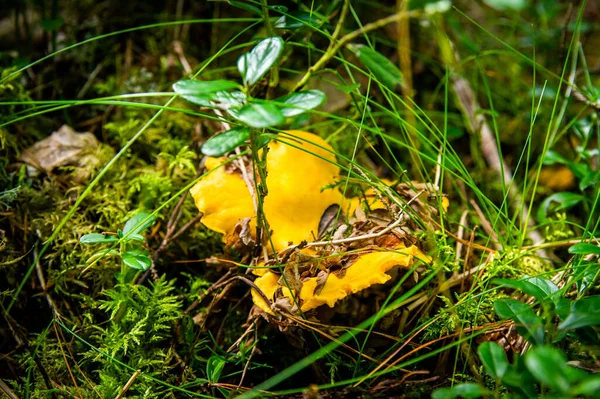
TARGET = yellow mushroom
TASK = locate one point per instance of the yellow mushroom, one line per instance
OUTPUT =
(300, 166)
(369, 269)
(296, 200)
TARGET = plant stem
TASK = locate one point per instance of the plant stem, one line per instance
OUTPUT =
(274, 79)
(335, 47)
(259, 167)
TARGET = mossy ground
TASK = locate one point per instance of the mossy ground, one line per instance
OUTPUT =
(173, 328)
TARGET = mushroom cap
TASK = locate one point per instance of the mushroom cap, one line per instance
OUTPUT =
(368, 270)
(299, 165)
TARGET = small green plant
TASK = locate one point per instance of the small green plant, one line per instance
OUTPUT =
(252, 113)
(552, 320)
(129, 241)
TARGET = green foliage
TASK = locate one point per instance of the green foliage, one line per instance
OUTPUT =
(380, 66)
(225, 142)
(129, 251)
(254, 64)
(543, 369)
(138, 335)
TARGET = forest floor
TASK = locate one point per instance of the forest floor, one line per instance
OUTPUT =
(170, 229)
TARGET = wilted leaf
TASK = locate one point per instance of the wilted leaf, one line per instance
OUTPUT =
(63, 147)
(225, 142)
(255, 64)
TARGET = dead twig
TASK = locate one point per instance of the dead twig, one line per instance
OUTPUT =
(128, 384)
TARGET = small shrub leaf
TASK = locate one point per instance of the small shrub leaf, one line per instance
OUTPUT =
(259, 115)
(384, 70)
(548, 365)
(507, 5)
(214, 368)
(138, 223)
(254, 64)
(565, 200)
(540, 288)
(138, 260)
(225, 142)
(301, 102)
(583, 312)
(493, 358)
(195, 91)
(94, 238)
(296, 20)
(584, 248)
(529, 324)
(466, 391)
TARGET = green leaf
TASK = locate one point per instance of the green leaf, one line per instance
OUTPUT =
(138, 223)
(584, 248)
(301, 102)
(384, 70)
(493, 358)
(218, 99)
(259, 115)
(225, 142)
(214, 368)
(296, 20)
(565, 200)
(528, 323)
(196, 91)
(520, 379)
(466, 391)
(552, 157)
(50, 25)
(136, 259)
(548, 365)
(348, 88)
(590, 179)
(255, 64)
(540, 288)
(584, 312)
(590, 387)
(245, 6)
(94, 238)
(507, 5)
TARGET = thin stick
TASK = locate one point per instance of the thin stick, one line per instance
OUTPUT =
(334, 48)
(128, 384)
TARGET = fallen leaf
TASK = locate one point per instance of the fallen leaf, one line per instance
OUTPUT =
(64, 147)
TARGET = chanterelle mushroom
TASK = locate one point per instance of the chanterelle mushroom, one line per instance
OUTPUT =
(297, 197)
(301, 177)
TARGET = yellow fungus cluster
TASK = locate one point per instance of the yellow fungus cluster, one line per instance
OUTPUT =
(302, 172)
(297, 174)
(369, 269)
